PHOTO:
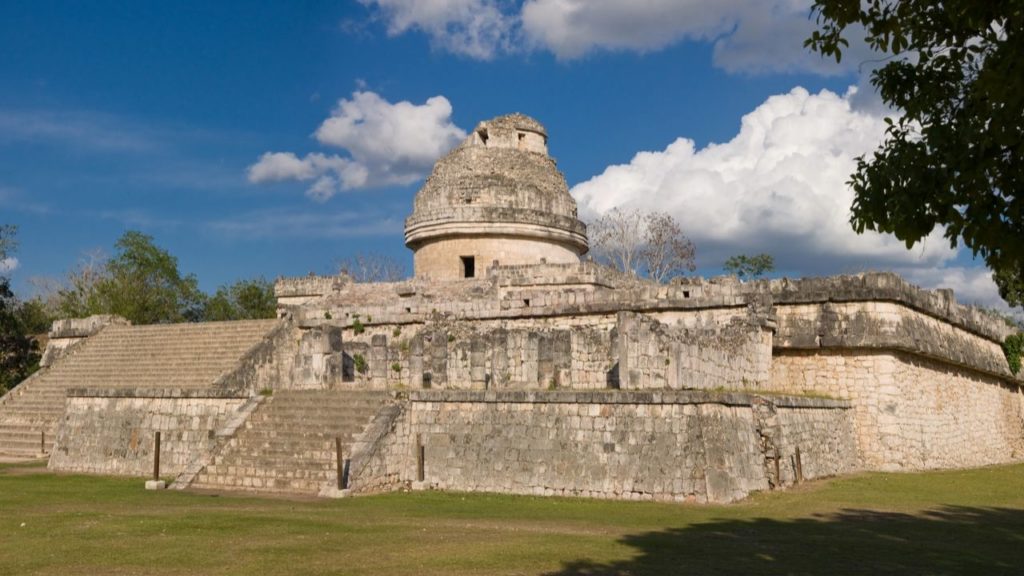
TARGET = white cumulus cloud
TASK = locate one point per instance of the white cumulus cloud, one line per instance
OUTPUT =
(748, 35)
(779, 186)
(971, 284)
(387, 144)
(9, 264)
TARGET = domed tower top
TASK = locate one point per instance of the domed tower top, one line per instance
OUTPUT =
(497, 197)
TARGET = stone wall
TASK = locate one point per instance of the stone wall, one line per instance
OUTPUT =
(654, 355)
(289, 358)
(912, 413)
(112, 431)
(442, 259)
(684, 446)
(884, 325)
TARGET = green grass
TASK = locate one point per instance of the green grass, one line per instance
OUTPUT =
(958, 522)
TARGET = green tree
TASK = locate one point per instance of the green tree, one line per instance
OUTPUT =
(141, 283)
(1011, 286)
(34, 316)
(19, 354)
(953, 157)
(243, 300)
(77, 296)
(749, 267)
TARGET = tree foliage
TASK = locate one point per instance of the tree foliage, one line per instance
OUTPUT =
(19, 353)
(1011, 285)
(749, 267)
(651, 244)
(141, 283)
(953, 157)
(243, 300)
(78, 295)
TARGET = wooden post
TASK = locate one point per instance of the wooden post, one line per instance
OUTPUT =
(340, 463)
(156, 456)
(799, 467)
(420, 456)
(778, 473)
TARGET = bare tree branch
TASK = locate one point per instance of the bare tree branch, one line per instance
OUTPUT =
(650, 244)
(372, 267)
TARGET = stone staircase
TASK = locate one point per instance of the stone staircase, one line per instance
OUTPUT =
(159, 356)
(288, 444)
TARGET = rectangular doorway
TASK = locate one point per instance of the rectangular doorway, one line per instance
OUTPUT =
(468, 266)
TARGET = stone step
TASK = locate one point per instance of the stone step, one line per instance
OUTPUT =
(28, 434)
(296, 469)
(319, 418)
(274, 467)
(10, 447)
(262, 434)
(366, 404)
(288, 444)
(187, 356)
(321, 448)
(246, 484)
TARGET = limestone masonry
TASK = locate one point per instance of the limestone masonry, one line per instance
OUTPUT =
(509, 364)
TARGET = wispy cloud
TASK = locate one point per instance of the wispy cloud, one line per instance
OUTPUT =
(78, 129)
(307, 224)
(13, 199)
(137, 218)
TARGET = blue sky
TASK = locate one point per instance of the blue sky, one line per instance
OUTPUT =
(120, 116)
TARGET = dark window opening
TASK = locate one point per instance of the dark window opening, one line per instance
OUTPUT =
(526, 301)
(427, 379)
(468, 266)
(686, 293)
(348, 368)
(522, 139)
(483, 136)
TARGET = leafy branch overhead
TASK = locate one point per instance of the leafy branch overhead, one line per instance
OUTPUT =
(749, 266)
(953, 155)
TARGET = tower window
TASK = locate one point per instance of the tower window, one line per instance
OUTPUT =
(468, 266)
(522, 140)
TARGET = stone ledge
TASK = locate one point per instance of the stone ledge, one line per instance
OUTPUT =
(152, 393)
(887, 286)
(623, 397)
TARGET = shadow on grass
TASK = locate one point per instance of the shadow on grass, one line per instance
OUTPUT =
(949, 540)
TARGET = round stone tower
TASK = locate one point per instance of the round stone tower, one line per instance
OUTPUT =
(497, 197)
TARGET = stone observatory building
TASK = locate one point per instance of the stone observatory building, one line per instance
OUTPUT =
(506, 364)
(496, 199)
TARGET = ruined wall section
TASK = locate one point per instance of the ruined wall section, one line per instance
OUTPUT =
(681, 446)
(882, 325)
(65, 334)
(111, 431)
(655, 355)
(912, 413)
(288, 358)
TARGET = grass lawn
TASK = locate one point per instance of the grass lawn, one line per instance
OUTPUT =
(959, 522)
